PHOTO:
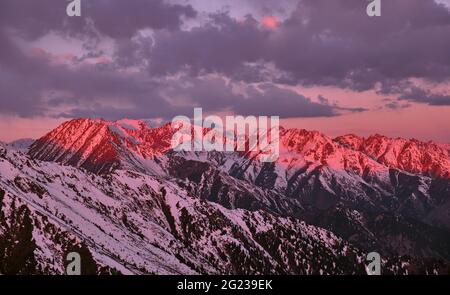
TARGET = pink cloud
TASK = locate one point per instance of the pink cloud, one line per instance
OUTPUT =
(270, 22)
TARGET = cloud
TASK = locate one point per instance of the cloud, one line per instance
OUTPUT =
(225, 63)
(216, 94)
(396, 105)
(223, 45)
(170, 98)
(111, 18)
(270, 22)
(419, 95)
(326, 43)
(413, 91)
(34, 85)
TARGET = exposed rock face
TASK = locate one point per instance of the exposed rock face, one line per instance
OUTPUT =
(117, 193)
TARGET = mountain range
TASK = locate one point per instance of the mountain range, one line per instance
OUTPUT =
(119, 195)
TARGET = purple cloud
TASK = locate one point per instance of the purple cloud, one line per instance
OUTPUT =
(417, 94)
(319, 43)
(112, 18)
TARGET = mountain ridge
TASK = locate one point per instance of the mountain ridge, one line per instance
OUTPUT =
(148, 142)
(240, 215)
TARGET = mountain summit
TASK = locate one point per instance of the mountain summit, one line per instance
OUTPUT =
(118, 194)
(101, 146)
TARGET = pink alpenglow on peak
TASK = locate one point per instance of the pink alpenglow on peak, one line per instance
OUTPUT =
(103, 146)
(409, 155)
(237, 134)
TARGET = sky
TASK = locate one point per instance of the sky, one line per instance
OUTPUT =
(318, 64)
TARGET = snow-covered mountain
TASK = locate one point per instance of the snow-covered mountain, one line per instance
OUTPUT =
(116, 192)
(100, 146)
(129, 222)
(414, 156)
(21, 144)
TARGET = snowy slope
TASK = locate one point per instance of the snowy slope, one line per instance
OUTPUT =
(132, 205)
(102, 146)
(22, 144)
(413, 156)
(130, 222)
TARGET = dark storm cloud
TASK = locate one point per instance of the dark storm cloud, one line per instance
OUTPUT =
(269, 6)
(322, 43)
(213, 95)
(408, 91)
(222, 45)
(416, 94)
(336, 43)
(17, 95)
(28, 81)
(272, 100)
(33, 85)
(112, 18)
(119, 19)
